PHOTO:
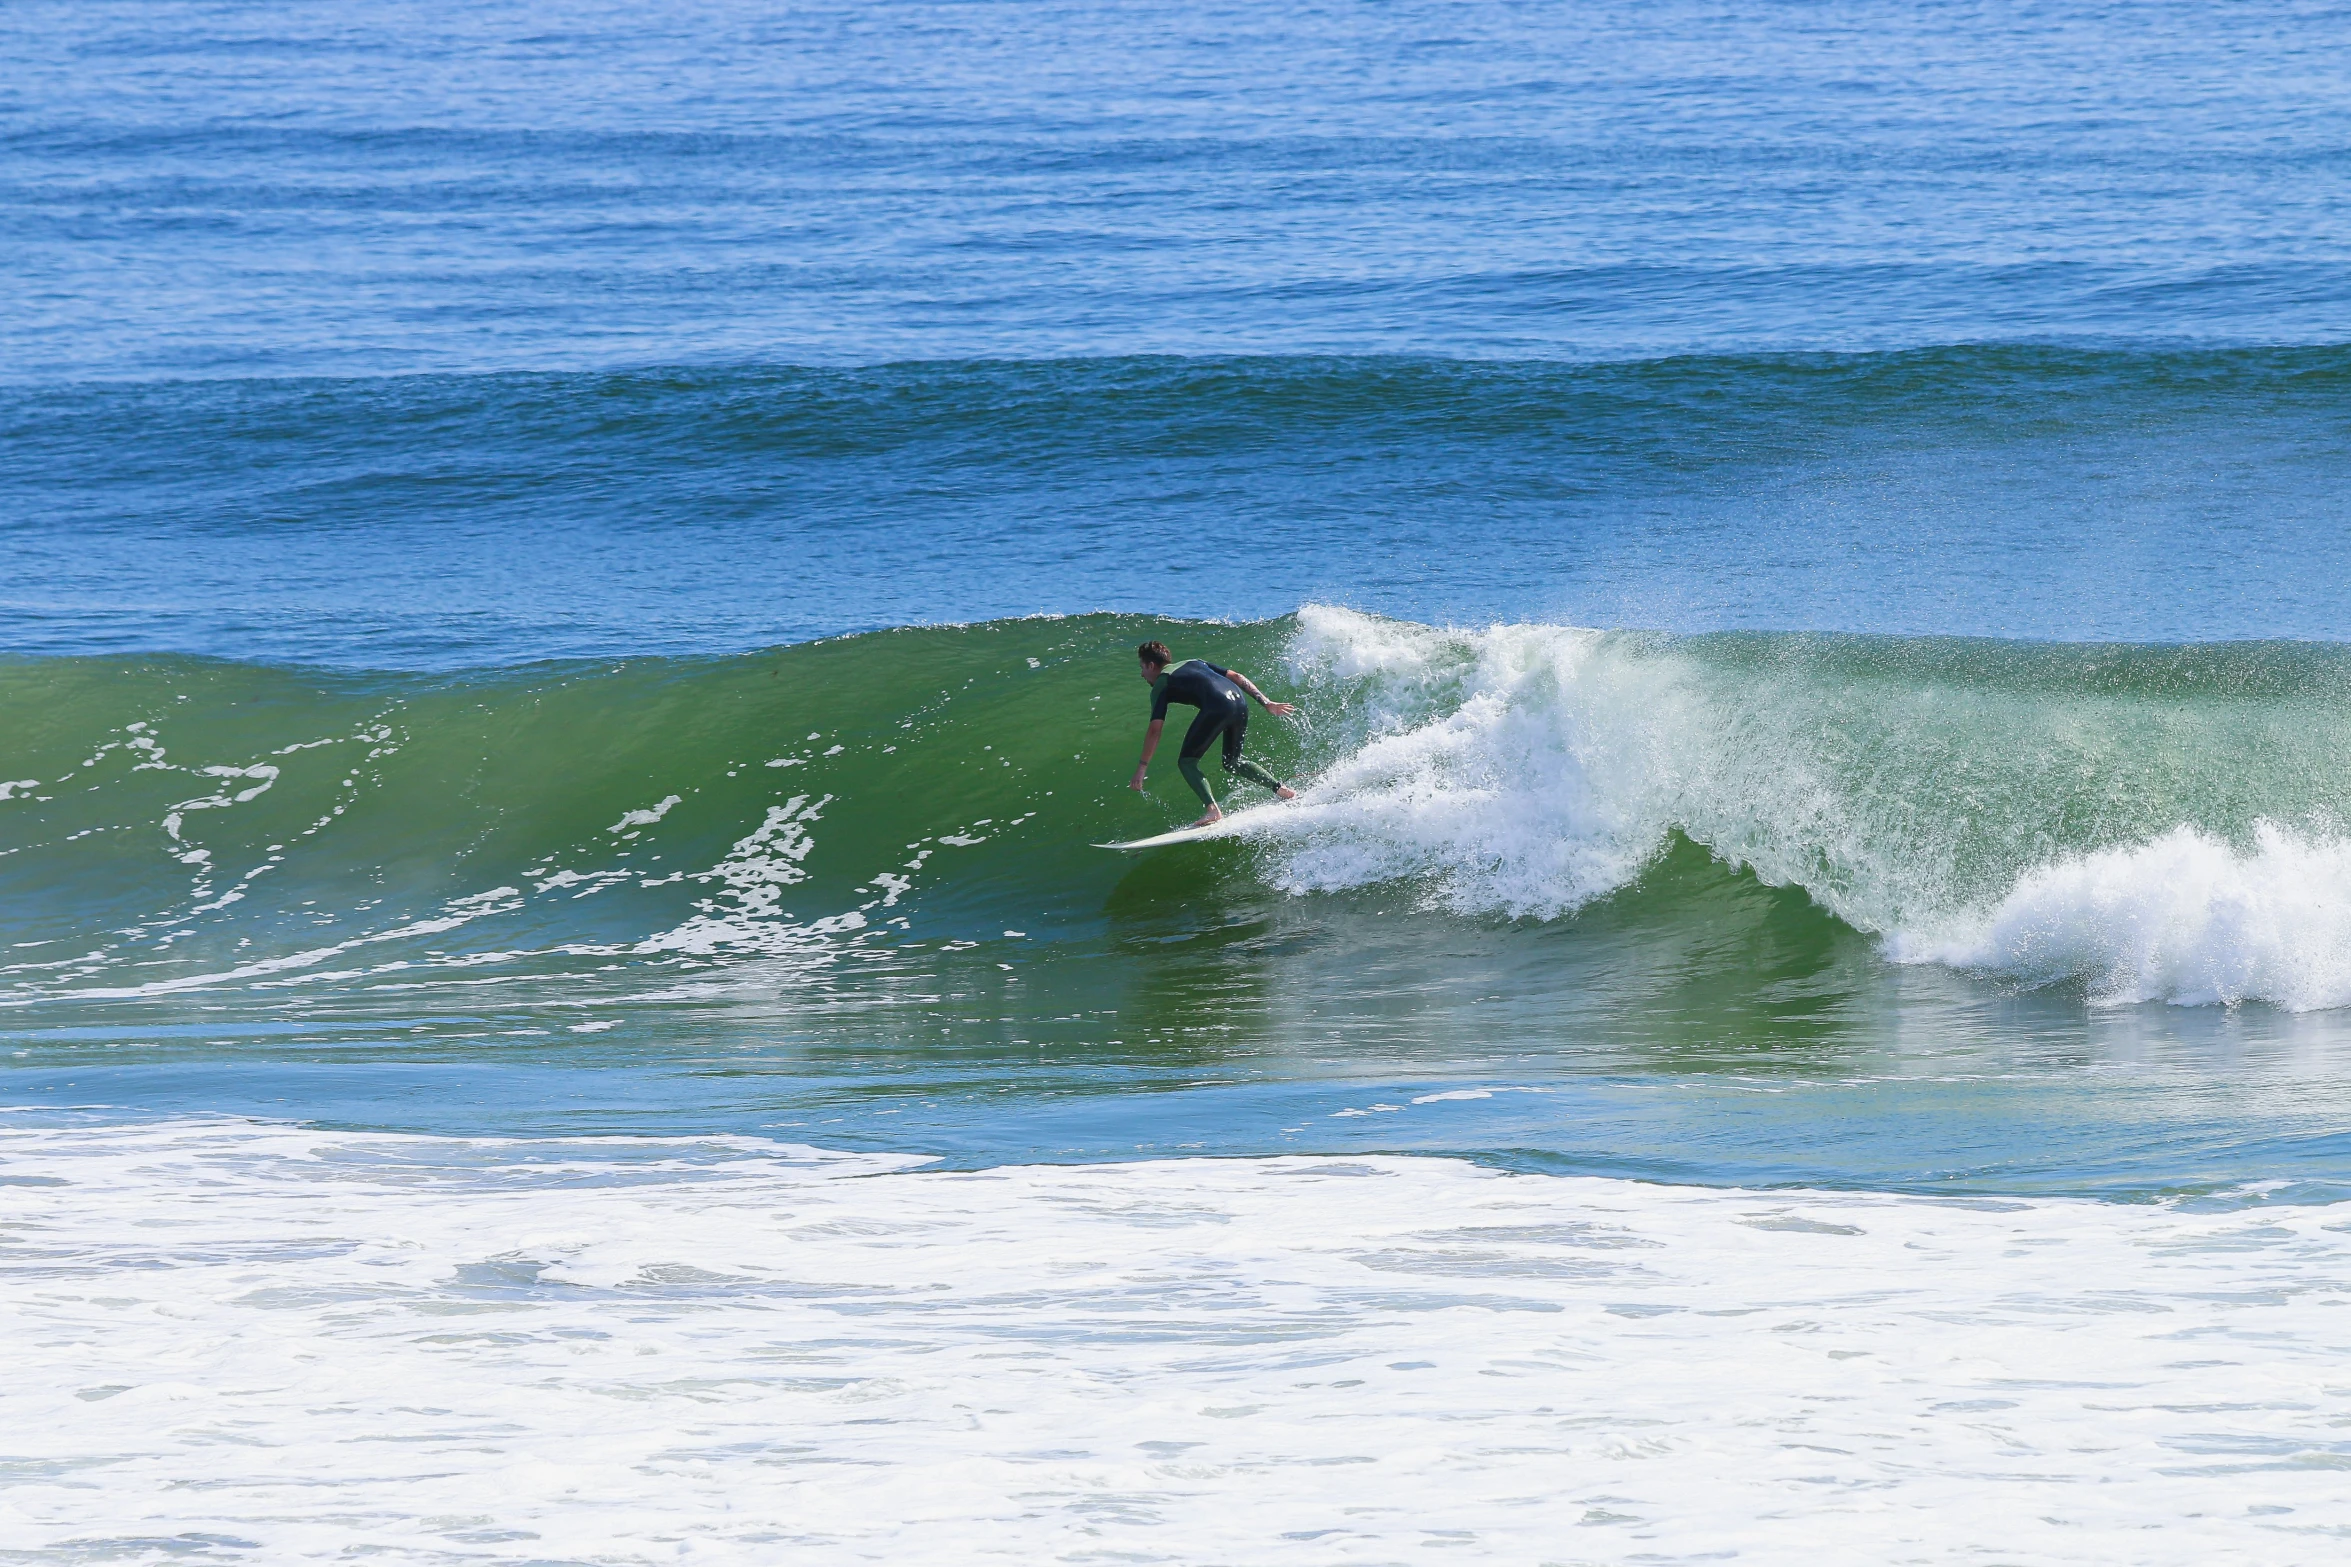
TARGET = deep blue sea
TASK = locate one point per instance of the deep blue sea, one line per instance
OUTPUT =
(568, 586)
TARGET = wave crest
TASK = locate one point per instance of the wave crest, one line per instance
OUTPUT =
(2046, 813)
(1510, 801)
(2185, 918)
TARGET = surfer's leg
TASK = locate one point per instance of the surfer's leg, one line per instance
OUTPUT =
(1242, 767)
(1238, 766)
(1196, 740)
(1189, 766)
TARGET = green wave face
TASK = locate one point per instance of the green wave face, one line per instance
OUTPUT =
(176, 825)
(1549, 824)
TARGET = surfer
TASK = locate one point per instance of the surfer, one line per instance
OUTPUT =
(1224, 712)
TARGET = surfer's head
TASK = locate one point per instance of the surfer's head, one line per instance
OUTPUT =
(1155, 657)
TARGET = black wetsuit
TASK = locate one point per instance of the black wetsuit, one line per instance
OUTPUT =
(1224, 712)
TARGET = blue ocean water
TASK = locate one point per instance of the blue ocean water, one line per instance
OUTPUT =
(377, 358)
(707, 327)
(568, 586)
(374, 358)
(204, 190)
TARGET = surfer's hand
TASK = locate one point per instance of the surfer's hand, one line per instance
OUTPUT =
(1136, 782)
(1281, 709)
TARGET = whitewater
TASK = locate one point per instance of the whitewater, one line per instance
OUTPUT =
(735, 1350)
(1960, 803)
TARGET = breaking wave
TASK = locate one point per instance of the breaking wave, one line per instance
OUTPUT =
(2149, 823)
(2156, 823)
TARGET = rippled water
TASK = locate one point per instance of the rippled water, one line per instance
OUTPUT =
(567, 634)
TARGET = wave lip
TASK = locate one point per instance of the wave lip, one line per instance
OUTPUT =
(1514, 799)
(2185, 918)
(2103, 814)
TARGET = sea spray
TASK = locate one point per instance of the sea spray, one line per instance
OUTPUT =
(2186, 918)
(2103, 814)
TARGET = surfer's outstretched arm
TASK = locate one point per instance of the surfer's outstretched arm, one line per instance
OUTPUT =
(1278, 709)
(1150, 745)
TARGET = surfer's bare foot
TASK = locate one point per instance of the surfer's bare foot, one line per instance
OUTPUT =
(1286, 792)
(1215, 815)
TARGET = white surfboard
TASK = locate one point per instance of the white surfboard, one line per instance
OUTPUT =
(1232, 823)
(1180, 835)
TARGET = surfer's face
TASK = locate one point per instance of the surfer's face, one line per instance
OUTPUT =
(1150, 670)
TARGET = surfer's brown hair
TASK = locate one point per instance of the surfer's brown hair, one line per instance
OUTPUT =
(1155, 653)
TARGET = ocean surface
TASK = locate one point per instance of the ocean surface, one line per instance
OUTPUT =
(566, 636)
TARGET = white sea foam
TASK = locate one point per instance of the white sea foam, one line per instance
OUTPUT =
(1528, 770)
(2186, 918)
(1504, 768)
(310, 1346)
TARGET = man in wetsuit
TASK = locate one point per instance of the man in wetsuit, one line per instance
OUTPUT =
(1224, 712)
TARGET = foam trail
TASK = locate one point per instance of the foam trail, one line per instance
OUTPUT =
(1526, 770)
(455, 1351)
